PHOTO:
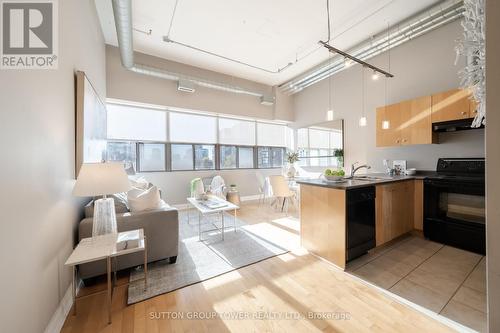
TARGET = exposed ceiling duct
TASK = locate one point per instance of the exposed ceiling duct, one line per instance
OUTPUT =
(413, 27)
(122, 10)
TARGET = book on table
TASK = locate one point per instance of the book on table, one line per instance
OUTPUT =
(128, 240)
(213, 203)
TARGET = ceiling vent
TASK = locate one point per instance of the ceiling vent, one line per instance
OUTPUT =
(267, 100)
(185, 86)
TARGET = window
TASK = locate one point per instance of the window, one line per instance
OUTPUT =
(318, 145)
(236, 132)
(228, 157)
(245, 157)
(204, 157)
(151, 139)
(135, 123)
(186, 127)
(152, 157)
(270, 157)
(182, 157)
(121, 152)
(273, 135)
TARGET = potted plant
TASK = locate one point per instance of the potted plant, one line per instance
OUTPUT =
(339, 154)
(291, 158)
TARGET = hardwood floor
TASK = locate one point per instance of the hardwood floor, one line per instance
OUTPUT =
(294, 292)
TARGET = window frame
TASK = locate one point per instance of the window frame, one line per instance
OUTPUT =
(138, 155)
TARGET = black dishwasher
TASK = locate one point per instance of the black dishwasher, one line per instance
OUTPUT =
(360, 221)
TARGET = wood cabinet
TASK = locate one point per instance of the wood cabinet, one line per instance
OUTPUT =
(394, 210)
(410, 122)
(323, 222)
(418, 216)
(452, 105)
(405, 123)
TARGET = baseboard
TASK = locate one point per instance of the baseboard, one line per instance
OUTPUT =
(244, 198)
(57, 321)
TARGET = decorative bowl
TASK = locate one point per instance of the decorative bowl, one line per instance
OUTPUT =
(333, 178)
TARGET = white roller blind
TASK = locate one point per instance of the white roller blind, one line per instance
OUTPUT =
(271, 135)
(302, 138)
(236, 132)
(319, 138)
(134, 123)
(335, 139)
(191, 128)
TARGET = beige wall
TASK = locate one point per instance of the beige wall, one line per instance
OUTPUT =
(422, 66)
(493, 162)
(126, 85)
(38, 212)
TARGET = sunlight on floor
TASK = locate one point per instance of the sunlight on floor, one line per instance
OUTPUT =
(221, 280)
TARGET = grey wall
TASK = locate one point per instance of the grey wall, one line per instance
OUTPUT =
(493, 163)
(127, 85)
(422, 66)
(37, 139)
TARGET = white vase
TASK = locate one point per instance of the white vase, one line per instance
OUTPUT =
(291, 171)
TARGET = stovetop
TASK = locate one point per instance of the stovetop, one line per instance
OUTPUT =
(460, 170)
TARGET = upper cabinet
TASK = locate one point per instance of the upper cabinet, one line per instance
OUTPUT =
(410, 122)
(405, 123)
(452, 105)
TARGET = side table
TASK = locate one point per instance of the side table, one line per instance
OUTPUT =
(107, 247)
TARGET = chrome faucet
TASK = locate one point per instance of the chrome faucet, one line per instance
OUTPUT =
(354, 168)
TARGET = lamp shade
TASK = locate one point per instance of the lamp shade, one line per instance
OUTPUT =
(101, 179)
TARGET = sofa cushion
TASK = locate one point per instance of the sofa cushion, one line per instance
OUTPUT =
(140, 200)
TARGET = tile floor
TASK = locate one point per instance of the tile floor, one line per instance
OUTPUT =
(443, 279)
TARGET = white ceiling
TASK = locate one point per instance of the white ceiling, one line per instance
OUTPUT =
(264, 33)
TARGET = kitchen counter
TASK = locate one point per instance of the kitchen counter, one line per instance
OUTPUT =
(357, 182)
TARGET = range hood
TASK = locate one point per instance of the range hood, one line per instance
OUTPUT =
(454, 125)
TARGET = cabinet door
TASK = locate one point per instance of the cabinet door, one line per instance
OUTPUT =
(451, 105)
(394, 210)
(402, 213)
(388, 125)
(416, 125)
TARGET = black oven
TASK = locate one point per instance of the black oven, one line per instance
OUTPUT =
(454, 204)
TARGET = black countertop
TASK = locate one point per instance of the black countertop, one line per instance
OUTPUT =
(357, 182)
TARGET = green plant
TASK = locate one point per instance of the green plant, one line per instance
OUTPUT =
(292, 157)
(338, 152)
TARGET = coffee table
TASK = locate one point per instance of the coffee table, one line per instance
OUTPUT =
(106, 247)
(203, 210)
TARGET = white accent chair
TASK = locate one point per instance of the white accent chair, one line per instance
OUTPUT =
(261, 182)
(280, 190)
(218, 187)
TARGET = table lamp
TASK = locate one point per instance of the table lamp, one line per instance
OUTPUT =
(96, 179)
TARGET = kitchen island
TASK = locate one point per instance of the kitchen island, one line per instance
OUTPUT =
(342, 220)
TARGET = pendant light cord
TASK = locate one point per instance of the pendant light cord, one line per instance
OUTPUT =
(328, 18)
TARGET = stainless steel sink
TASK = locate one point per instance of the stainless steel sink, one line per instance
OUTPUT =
(370, 178)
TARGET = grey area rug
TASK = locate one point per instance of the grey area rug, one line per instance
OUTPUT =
(201, 260)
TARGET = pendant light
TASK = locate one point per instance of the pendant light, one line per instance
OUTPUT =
(329, 112)
(362, 120)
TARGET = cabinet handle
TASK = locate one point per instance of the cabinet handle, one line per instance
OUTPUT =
(405, 140)
(464, 113)
(397, 140)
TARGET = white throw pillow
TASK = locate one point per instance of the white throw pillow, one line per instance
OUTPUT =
(140, 200)
(139, 183)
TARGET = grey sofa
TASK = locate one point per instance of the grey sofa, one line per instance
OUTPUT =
(161, 228)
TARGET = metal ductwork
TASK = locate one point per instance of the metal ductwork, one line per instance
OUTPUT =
(413, 27)
(122, 10)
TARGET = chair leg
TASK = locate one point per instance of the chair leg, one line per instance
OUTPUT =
(283, 206)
